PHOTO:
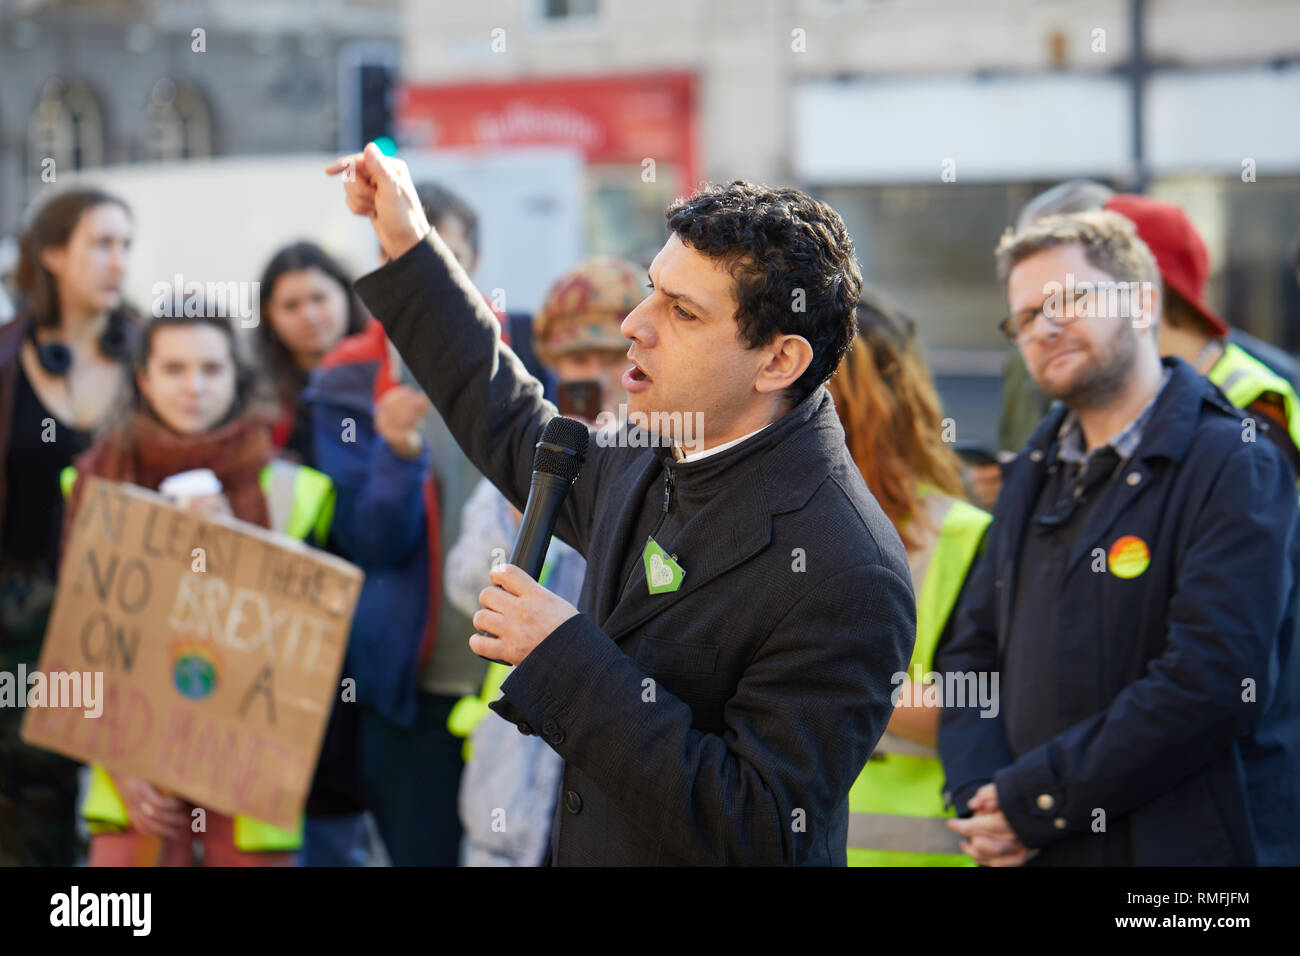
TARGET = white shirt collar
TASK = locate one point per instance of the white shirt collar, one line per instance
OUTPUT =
(696, 456)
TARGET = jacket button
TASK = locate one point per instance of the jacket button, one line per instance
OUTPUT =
(573, 802)
(1036, 455)
(1059, 823)
(1045, 801)
(1133, 478)
(525, 728)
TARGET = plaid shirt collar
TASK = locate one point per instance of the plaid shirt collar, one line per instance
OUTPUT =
(1070, 444)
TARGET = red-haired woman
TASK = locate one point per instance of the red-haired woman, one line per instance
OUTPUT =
(894, 429)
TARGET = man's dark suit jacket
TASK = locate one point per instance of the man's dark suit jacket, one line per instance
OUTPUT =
(722, 723)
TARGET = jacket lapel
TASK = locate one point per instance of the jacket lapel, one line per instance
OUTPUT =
(737, 523)
(1132, 479)
(701, 553)
(608, 589)
(1022, 485)
(1167, 435)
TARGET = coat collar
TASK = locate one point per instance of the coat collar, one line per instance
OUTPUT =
(1169, 431)
(749, 484)
(348, 385)
(355, 372)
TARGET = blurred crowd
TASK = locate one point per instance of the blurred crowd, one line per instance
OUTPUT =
(314, 428)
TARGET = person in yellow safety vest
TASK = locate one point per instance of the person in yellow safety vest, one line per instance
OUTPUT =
(189, 412)
(471, 709)
(894, 429)
(1251, 385)
(1191, 330)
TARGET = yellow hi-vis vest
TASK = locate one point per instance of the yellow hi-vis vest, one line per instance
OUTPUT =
(301, 504)
(471, 709)
(896, 806)
(1244, 378)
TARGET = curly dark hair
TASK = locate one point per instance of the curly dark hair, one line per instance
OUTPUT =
(784, 249)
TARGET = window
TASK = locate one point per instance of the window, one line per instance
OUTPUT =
(179, 125)
(66, 126)
(625, 216)
(553, 10)
(930, 248)
(1248, 228)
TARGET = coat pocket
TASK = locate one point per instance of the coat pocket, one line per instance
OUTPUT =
(670, 657)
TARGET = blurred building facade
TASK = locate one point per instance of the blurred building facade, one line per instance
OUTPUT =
(928, 123)
(88, 84)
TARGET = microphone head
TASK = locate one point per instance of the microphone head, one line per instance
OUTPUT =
(562, 448)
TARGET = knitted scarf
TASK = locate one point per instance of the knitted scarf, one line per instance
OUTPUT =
(144, 451)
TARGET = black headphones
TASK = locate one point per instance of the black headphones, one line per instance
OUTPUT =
(56, 358)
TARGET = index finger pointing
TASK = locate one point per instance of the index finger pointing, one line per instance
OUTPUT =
(342, 164)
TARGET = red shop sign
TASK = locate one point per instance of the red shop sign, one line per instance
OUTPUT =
(611, 119)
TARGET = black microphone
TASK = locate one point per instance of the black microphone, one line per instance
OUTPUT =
(557, 460)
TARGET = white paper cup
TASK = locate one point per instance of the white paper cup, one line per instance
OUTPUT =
(183, 488)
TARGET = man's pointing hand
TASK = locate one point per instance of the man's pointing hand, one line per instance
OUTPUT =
(380, 187)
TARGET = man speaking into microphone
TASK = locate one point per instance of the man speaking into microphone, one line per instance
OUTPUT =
(727, 671)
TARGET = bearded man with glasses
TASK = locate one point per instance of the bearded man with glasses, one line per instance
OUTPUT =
(1138, 596)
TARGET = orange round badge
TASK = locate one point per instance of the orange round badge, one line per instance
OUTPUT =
(1128, 557)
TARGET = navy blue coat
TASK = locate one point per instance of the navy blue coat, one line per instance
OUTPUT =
(1160, 753)
(380, 524)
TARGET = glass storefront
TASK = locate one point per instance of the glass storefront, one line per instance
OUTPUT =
(930, 249)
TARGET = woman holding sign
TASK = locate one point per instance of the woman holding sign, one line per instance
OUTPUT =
(189, 416)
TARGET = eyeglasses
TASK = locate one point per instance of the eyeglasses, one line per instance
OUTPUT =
(1016, 327)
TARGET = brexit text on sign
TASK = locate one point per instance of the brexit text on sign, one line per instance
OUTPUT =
(220, 644)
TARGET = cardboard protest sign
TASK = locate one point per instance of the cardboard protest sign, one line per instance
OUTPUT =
(220, 645)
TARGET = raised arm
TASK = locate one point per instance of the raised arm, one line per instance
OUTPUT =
(452, 342)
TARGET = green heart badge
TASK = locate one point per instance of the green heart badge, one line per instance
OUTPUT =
(662, 573)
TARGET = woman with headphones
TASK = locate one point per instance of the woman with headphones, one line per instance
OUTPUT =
(63, 361)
